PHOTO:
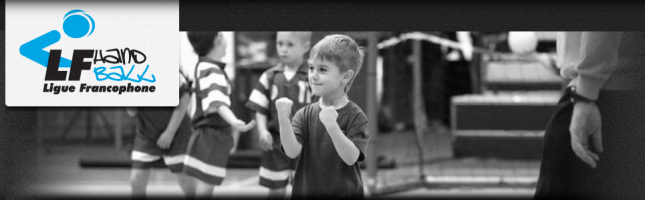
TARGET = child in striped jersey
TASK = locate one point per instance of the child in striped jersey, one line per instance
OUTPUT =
(287, 79)
(161, 133)
(211, 116)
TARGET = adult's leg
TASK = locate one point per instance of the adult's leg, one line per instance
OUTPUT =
(620, 168)
(618, 174)
(562, 173)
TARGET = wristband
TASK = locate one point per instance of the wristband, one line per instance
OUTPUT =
(575, 97)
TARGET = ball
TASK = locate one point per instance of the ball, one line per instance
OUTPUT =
(522, 42)
(77, 24)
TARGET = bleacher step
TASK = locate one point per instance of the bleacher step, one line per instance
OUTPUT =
(503, 111)
(521, 75)
(502, 144)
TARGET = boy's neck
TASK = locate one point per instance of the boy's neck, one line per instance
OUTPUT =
(295, 65)
(210, 58)
(337, 99)
(214, 55)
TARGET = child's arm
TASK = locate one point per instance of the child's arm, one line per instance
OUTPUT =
(237, 124)
(220, 101)
(288, 138)
(345, 148)
(259, 102)
(178, 114)
(236, 139)
(231, 119)
(266, 140)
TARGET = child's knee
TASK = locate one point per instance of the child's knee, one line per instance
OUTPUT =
(139, 175)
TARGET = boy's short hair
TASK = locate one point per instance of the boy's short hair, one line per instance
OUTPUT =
(304, 36)
(342, 50)
(202, 41)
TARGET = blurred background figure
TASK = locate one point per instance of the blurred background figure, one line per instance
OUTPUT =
(162, 134)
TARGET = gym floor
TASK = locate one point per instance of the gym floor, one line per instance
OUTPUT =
(58, 174)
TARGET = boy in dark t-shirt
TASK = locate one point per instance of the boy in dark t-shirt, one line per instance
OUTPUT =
(328, 137)
(287, 79)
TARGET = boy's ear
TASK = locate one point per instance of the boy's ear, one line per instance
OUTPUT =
(308, 45)
(349, 75)
(217, 41)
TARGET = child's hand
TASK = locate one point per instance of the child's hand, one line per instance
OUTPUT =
(131, 111)
(283, 105)
(243, 127)
(164, 140)
(233, 149)
(236, 139)
(266, 140)
(328, 115)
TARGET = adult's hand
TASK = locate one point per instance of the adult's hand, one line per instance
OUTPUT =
(585, 125)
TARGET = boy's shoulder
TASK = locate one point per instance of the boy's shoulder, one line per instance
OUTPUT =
(204, 64)
(279, 68)
(205, 68)
(275, 69)
(351, 107)
(354, 107)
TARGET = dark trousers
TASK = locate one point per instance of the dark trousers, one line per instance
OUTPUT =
(620, 172)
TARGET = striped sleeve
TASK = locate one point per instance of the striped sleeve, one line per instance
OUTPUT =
(214, 88)
(259, 98)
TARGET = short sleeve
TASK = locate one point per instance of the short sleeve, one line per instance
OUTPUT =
(184, 85)
(299, 124)
(214, 88)
(358, 133)
(259, 98)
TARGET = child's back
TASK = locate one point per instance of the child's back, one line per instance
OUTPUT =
(212, 118)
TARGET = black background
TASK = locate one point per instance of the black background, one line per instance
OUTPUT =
(18, 140)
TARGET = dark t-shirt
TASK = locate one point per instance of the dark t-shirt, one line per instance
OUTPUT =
(320, 171)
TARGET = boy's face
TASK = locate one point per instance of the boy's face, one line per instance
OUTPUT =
(290, 47)
(220, 45)
(325, 77)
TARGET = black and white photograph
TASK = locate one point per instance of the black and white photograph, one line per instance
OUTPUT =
(290, 114)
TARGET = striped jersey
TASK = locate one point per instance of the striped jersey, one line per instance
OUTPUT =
(273, 84)
(152, 121)
(211, 89)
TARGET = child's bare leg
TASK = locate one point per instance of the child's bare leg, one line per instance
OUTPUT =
(139, 181)
(277, 193)
(203, 189)
(188, 185)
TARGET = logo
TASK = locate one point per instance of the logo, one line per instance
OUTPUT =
(91, 53)
(78, 24)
